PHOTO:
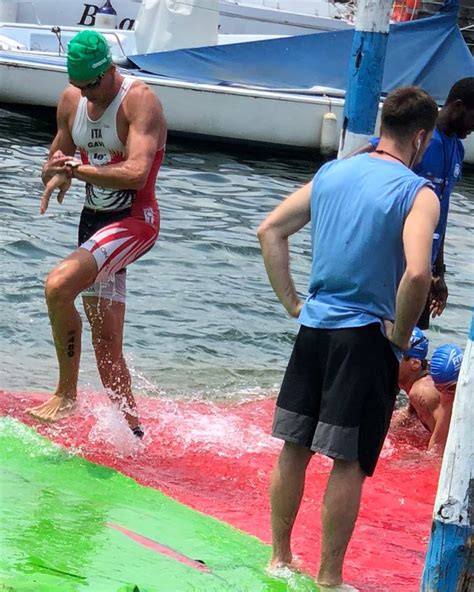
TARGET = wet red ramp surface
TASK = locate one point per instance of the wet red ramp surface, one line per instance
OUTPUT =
(217, 458)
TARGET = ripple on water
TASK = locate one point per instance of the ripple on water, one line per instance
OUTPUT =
(201, 316)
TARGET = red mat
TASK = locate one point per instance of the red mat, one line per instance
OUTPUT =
(217, 458)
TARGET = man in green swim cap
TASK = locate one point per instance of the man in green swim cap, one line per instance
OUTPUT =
(88, 57)
(117, 124)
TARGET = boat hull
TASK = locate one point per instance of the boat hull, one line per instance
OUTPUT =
(283, 119)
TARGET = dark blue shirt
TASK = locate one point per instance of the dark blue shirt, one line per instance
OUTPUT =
(442, 165)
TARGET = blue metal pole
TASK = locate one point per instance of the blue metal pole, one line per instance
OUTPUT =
(449, 565)
(365, 74)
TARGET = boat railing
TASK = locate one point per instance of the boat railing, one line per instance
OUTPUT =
(118, 37)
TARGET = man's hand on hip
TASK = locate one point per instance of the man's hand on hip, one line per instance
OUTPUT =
(296, 309)
(390, 333)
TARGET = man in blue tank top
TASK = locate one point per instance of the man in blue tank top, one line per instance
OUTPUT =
(372, 223)
(442, 165)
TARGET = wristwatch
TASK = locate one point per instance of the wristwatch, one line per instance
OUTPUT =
(73, 165)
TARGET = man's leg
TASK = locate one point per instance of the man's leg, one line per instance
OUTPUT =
(106, 318)
(286, 491)
(64, 283)
(339, 513)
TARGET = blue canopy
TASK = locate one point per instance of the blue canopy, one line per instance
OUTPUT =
(428, 52)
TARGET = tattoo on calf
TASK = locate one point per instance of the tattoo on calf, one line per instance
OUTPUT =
(71, 344)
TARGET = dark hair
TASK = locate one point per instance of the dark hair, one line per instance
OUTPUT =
(462, 90)
(406, 110)
(423, 363)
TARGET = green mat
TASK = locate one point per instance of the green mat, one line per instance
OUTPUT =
(70, 525)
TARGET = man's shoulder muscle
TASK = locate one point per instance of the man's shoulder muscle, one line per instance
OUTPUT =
(426, 199)
(141, 100)
(67, 104)
(425, 386)
(69, 98)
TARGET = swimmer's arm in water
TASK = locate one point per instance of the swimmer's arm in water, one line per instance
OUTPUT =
(403, 417)
(63, 147)
(442, 417)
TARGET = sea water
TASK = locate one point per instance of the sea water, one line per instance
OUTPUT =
(207, 343)
(201, 319)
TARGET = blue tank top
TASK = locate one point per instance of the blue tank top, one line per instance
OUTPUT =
(358, 209)
(442, 165)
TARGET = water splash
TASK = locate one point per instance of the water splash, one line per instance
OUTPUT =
(111, 430)
(218, 457)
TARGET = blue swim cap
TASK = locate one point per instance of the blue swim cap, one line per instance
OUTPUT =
(418, 345)
(445, 364)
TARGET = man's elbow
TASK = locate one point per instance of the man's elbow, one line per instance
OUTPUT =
(419, 277)
(138, 179)
(138, 184)
(267, 233)
(263, 231)
(137, 172)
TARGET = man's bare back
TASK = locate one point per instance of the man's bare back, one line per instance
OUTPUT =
(425, 399)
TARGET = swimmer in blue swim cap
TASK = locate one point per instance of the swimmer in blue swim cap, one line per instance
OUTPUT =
(445, 366)
(430, 389)
(414, 364)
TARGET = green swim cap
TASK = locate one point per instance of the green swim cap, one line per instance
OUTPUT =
(88, 55)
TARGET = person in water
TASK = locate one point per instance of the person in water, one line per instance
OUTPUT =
(414, 364)
(118, 126)
(430, 388)
(372, 223)
(442, 165)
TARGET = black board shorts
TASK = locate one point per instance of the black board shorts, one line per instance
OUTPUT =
(338, 393)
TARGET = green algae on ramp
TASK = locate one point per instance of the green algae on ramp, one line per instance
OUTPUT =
(69, 525)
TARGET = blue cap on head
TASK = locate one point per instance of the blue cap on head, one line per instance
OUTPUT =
(418, 345)
(445, 363)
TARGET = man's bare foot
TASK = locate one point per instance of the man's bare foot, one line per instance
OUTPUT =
(336, 588)
(283, 569)
(54, 409)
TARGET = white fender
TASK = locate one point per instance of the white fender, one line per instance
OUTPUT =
(329, 139)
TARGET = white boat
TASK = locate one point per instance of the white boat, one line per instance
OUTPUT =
(249, 17)
(191, 108)
(30, 22)
(286, 117)
(32, 64)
